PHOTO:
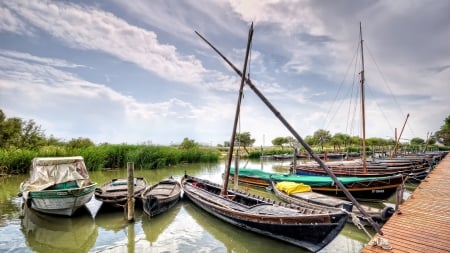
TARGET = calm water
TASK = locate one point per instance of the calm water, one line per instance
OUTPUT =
(185, 228)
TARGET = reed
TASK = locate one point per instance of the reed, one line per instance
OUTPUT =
(109, 156)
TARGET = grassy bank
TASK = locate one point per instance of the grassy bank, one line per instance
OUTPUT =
(109, 156)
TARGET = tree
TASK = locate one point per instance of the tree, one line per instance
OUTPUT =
(188, 144)
(279, 141)
(417, 141)
(80, 143)
(322, 136)
(16, 133)
(443, 135)
(245, 140)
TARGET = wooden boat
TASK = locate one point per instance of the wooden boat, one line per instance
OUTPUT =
(413, 170)
(115, 192)
(161, 196)
(308, 227)
(362, 188)
(380, 216)
(57, 185)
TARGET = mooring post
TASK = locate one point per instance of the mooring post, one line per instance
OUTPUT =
(399, 198)
(236, 171)
(130, 200)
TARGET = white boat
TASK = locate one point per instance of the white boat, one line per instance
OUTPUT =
(57, 185)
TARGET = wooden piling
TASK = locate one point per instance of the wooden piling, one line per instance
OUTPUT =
(130, 199)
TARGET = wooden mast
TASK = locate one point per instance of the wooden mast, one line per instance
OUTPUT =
(236, 117)
(363, 110)
(298, 137)
(398, 139)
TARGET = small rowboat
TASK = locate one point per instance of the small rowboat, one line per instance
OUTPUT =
(161, 196)
(115, 192)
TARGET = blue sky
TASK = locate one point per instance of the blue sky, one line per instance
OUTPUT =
(135, 72)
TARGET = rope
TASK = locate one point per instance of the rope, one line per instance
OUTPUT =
(377, 240)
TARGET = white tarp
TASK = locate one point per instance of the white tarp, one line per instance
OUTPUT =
(48, 171)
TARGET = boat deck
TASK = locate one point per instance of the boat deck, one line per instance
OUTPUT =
(424, 222)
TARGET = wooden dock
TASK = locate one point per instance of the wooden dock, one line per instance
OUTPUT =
(424, 222)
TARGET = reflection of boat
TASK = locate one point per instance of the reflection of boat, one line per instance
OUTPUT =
(46, 233)
(160, 197)
(300, 197)
(115, 192)
(154, 226)
(57, 185)
(110, 220)
(363, 188)
(233, 238)
(308, 227)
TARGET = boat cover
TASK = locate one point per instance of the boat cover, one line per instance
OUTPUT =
(49, 171)
(292, 187)
(309, 180)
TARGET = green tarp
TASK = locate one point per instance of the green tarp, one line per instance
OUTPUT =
(309, 180)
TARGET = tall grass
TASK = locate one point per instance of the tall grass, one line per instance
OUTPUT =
(109, 156)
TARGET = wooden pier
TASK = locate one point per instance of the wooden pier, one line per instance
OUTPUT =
(424, 222)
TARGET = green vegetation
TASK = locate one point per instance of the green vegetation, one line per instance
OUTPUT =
(110, 156)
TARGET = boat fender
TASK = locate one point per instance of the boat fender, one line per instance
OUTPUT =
(387, 212)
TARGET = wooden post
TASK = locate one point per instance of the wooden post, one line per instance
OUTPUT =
(236, 171)
(130, 200)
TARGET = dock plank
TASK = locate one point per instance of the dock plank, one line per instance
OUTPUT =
(424, 222)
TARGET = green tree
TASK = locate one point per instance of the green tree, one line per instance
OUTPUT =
(188, 144)
(322, 136)
(279, 141)
(443, 135)
(417, 141)
(245, 140)
(16, 133)
(80, 143)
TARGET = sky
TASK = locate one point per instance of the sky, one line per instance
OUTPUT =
(135, 72)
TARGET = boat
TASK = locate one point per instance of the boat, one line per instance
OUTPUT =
(57, 185)
(114, 193)
(362, 188)
(309, 227)
(160, 197)
(298, 194)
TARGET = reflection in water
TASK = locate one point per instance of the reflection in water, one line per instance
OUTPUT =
(234, 239)
(184, 228)
(47, 233)
(156, 225)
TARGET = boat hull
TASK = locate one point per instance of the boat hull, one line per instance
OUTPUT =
(115, 192)
(161, 197)
(311, 232)
(366, 189)
(60, 202)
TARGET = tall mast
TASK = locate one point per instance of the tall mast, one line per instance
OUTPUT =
(236, 116)
(363, 110)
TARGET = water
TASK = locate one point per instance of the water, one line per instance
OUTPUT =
(184, 228)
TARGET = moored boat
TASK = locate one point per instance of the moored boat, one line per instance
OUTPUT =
(287, 191)
(362, 188)
(160, 197)
(114, 193)
(306, 226)
(57, 185)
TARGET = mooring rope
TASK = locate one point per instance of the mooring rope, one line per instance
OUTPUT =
(377, 239)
